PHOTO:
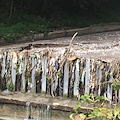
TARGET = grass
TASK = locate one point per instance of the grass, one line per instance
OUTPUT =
(19, 26)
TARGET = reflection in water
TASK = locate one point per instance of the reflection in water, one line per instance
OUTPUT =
(28, 112)
(37, 113)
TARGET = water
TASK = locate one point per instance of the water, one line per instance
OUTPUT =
(28, 112)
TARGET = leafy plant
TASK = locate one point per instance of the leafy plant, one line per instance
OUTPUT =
(16, 27)
(116, 84)
(98, 112)
(91, 99)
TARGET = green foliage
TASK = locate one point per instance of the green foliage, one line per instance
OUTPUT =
(16, 27)
(23, 17)
(98, 112)
(71, 116)
(86, 98)
(27, 25)
(116, 112)
(116, 85)
(76, 109)
(91, 99)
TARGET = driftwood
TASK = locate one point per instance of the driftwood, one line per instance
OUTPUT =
(67, 53)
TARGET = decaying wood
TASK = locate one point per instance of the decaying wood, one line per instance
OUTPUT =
(67, 53)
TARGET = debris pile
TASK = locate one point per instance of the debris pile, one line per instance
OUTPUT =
(64, 74)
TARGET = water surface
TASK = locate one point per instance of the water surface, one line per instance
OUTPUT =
(17, 112)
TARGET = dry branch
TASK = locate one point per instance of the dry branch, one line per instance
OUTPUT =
(67, 53)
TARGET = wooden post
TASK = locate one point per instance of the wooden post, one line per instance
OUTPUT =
(76, 82)
(66, 79)
(3, 82)
(92, 72)
(13, 75)
(99, 80)
(98, 77)
(34, 61)
(87, 77)
(119, 95)
(3, 67)
(44, 71)
(83, 76)
(116, 96)
(23, 75)
(109, 87)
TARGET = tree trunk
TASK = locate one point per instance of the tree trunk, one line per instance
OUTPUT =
(11, 9)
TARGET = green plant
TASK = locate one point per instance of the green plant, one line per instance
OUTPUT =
(100, 112)
(116, 84)
(16, 27)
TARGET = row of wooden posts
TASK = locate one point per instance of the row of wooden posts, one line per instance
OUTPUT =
(38, 73)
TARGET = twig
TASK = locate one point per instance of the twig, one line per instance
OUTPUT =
(107, 82)
(33, 67)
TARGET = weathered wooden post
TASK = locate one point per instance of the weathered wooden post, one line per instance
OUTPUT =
(14, 60)
(99, 77)
(23, 75)
(92, 75)
(66, 80)
(76, 82)
(83, 76)
(87, 77)
(119, 95)
(3, 71)
(44, 71)
(3, 66)
(109, 86)
(34, 61)
(99, 80)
